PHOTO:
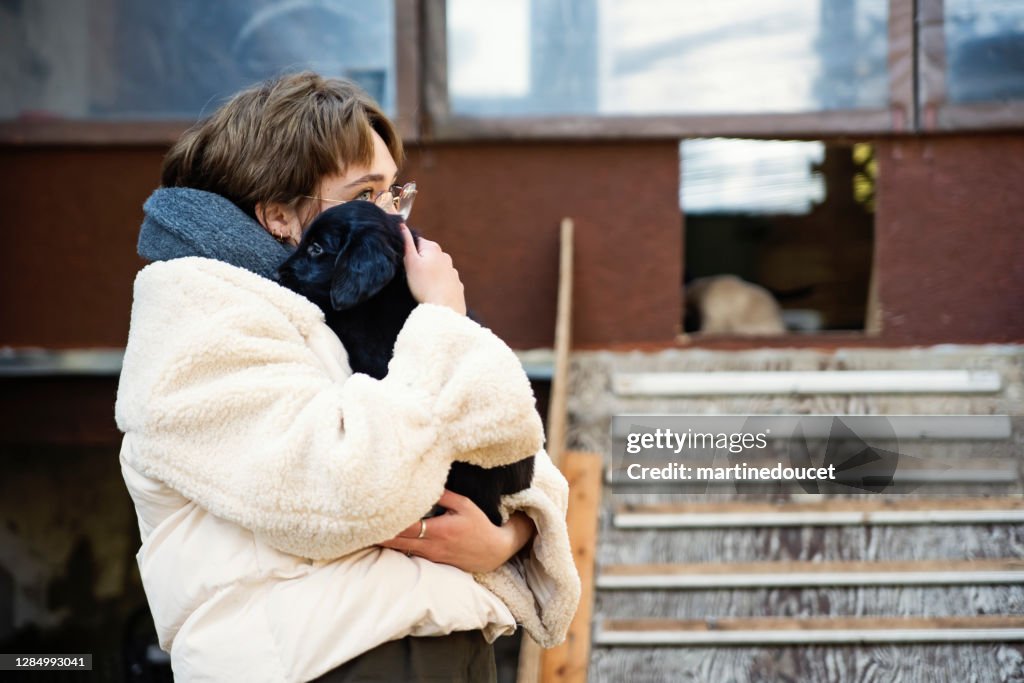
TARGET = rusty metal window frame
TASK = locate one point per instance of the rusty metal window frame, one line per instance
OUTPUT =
(899, 117)
(917, 99)
(408, 79)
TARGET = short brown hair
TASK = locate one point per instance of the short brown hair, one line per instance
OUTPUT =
(274, 142)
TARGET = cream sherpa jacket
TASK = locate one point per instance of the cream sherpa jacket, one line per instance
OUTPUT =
(263, 472)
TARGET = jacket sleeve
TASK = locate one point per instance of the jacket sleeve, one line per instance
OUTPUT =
(542, 587)
(222, 398)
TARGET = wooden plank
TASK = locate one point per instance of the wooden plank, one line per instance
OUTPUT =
(663, 521)
(808, 574)
(806, 631)
(558, 415)
(986, 621)
(568, 662)
(529, 670)
(882, 663)
(832, 505)
(971, 472)
(902, 427)
(806, 382)
(832, 512)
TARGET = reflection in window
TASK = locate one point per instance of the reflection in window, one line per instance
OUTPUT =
(122, 59)
(750, 176)
(489, 59)
(778, 235)
(669, 57)
(984, 50)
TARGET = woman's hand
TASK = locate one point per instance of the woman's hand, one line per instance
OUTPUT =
(464, 537)
(431, 275)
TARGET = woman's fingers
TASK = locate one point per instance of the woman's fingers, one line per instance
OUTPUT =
(421, 248)
(405, 545)
(431, 274)
(455, 502)
(411, 531)
(463, 537)
(427, 247)
(432, 545)
(410, 243)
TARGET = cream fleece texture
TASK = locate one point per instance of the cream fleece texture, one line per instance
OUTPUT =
(235, 394)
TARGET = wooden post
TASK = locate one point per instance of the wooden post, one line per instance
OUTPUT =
(567, 663)
(529, 651)
(558, 414)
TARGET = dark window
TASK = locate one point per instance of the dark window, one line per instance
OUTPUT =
(793, 221)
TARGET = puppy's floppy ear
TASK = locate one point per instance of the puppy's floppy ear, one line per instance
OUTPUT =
(367, 262)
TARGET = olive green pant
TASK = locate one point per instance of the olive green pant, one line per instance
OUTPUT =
(460, 657)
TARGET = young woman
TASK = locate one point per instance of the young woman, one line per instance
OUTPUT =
(280, 496)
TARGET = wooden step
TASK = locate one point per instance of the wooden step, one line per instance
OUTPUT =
(831, 512)
(808, 631)
(569, 660)
(922, 472)
(902, 427)
(809, 574)
(806, 382)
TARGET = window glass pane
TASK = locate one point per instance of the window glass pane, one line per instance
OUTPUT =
(750, 176)
(489, 59)
(984, 50)
(124, 59)
(621, 57)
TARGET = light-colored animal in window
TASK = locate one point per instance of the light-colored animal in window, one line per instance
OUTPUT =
(725, 304)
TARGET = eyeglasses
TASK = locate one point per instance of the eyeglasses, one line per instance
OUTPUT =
(396, 199)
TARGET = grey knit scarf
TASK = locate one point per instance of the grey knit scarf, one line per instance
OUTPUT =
(180, 222)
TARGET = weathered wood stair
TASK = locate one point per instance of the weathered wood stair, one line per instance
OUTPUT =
(803, 574)
(829, 512)
(703, 583)
(782, 631)
(645, 630)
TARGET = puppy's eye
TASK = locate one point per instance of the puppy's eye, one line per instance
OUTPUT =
(314, 249)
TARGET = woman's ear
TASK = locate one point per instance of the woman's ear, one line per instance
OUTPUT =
(280, 220)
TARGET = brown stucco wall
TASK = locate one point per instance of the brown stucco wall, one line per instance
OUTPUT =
(71, 220)
(73, 216)
(949, 248)
(497, 208)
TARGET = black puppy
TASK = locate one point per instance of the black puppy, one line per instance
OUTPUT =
(350, 264)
